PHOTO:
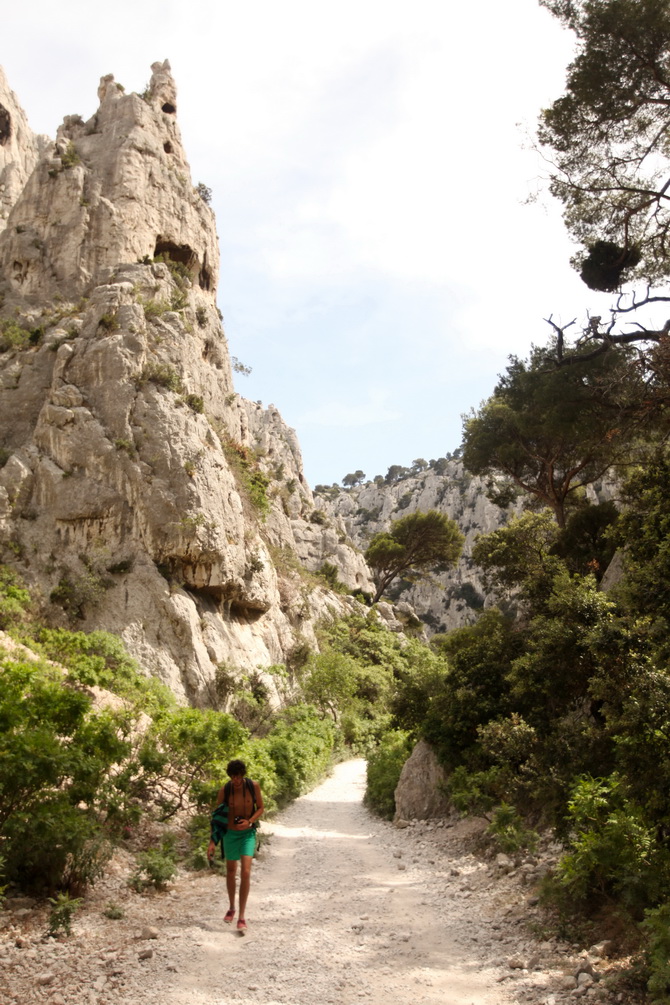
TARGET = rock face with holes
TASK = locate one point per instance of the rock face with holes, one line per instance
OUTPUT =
(139, 492)
(113, 189)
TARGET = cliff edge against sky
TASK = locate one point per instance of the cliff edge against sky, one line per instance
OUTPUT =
(139, 491)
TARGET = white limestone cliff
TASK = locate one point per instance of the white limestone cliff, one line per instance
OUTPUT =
(114, 189)
(19, 149)
(139, 491)
(450, 599)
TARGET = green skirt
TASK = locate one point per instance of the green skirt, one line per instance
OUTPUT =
(239, 843)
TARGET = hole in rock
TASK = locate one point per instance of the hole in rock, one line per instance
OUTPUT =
(5, 125)
(205, 278)
(243, 613)
(167, 147)
(175, 252)
(168, 108)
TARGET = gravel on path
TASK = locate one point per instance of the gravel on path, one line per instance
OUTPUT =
(344, 909)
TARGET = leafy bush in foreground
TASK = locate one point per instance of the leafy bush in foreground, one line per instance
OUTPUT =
(56, 761)
(384, 767)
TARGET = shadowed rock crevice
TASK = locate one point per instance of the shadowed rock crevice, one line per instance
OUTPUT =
(181, 253)
(5, 126)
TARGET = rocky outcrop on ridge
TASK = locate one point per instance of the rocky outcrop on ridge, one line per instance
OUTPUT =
(139, 492)
(114, 189)
(449, 599)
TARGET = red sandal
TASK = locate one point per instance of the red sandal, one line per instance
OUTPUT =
(229, 915)
(241, 926)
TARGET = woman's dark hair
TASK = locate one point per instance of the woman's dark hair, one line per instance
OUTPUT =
(236, 768)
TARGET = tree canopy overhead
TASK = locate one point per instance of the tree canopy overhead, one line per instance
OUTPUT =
(609, 140)
(415, 544)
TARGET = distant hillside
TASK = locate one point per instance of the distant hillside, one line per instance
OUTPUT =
(452, 598)
(455, 596)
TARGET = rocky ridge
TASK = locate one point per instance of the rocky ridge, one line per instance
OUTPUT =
(138, 491)
(451, 598)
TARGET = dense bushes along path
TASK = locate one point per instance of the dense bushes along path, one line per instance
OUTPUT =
(344, 909)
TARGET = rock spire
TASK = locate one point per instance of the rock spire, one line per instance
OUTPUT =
(115, 189)
(138, 491)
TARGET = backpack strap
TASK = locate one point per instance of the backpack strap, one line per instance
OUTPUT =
(252, 791)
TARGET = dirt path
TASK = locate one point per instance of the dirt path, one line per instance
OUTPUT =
(344, 908)
(334, 917)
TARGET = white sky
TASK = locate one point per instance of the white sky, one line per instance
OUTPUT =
(369, 163)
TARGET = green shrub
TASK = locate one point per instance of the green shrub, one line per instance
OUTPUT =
(473, 791)
(257, 486)
(154, 308)
(114, 912)
(251, 480)
(13, 336)
(70, 157)
(57, 765)
(301, 746)
(656, 928)
(15, 601)
(383, 773)
(509, 832)
(155, 867)
(474, 691)
(178, 300)
(361, 735)
(108, 322)
(329, 573)
(63, 907)
(101, 659)
(75, 592)
(613, 848)
(182, 757)
(178, 270)
(195, 402)
(163, 375)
